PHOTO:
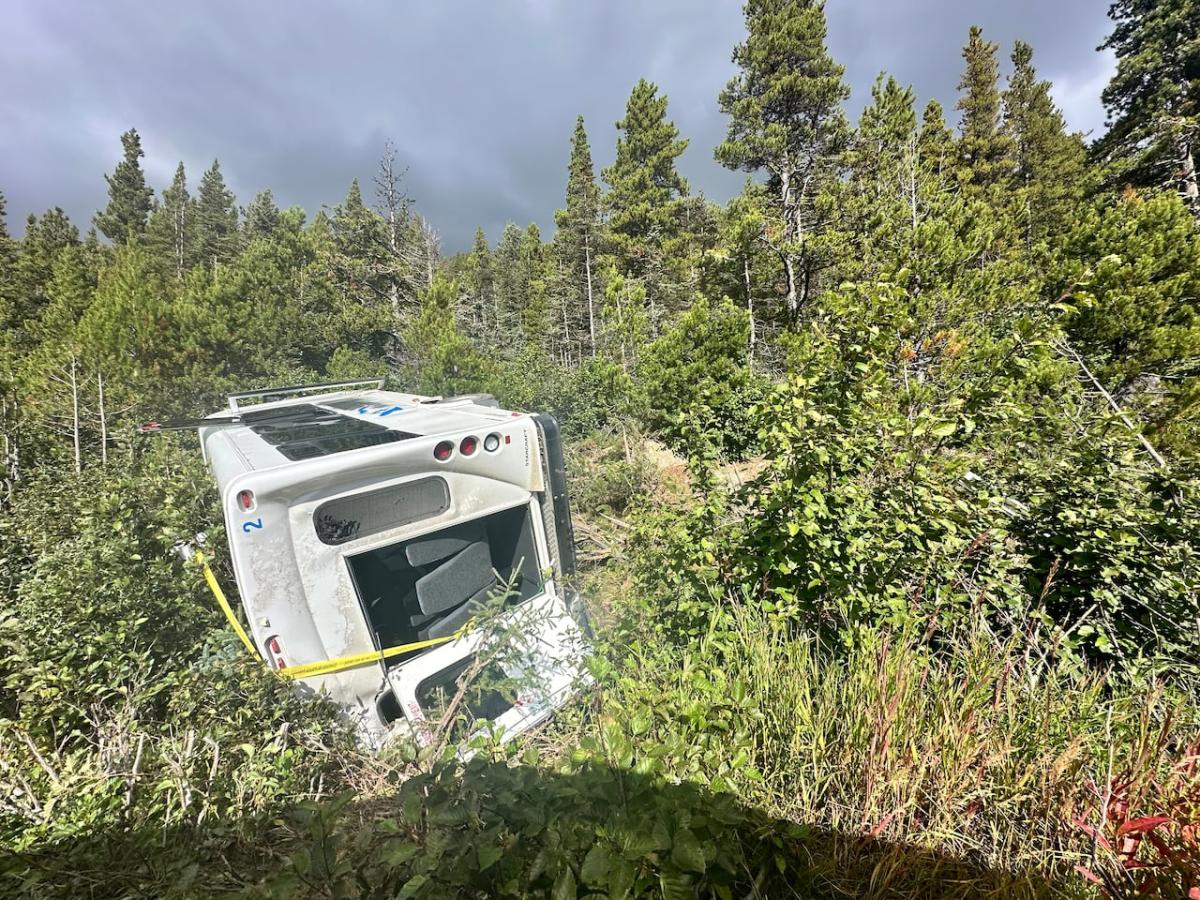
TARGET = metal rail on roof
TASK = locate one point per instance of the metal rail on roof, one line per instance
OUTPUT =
(377, 383)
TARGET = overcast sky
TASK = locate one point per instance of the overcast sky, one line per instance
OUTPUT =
(479, 96)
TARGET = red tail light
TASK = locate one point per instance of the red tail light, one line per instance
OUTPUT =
(245, 500)
(443, 451)
(468, 446)
(275, 653)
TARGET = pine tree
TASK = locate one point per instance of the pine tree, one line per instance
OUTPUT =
(512, 280)
(935, 144)
(984, 147)
(171, 227)
(122, 331)
(130, 199)
(881, 200)
(216, 218)
(445, 363)
(576, 242)
(56, 378)
(482, 314)
(536, 328)
(261, 218)
(1153, 100)
(646, 190)
(44, 241)
(404, 236)
(363, 269)
(786, 117)
(1049, 162)
(1128, 275)
(8, 271)
(747, 266)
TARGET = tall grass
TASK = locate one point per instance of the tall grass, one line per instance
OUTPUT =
(962, 767)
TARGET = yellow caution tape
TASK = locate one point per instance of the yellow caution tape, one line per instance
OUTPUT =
(225, 607)
(342, 663)
(327, 666)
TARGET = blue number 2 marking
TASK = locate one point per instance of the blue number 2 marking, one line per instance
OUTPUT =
(247, 527)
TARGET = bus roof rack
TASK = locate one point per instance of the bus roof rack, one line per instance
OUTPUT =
(376, 383)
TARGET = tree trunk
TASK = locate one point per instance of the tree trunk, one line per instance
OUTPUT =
(103, 419)
(749, 301)
(587, 267)
(75, 416)
(179, 242)
(1187, 176)
(789, 234)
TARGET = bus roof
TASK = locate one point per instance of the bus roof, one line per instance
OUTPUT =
(297, 429)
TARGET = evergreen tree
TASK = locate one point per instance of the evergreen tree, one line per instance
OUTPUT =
(536, 318)
(123, 330)
(1153, 100)
(445, 363)
(512, 281)
(171, 226)
(576, 242)
(984, 146)
(747, 268)
(644, 201)
(1048, 161)
(261, 218)
(363, 268)
(216, 218)
(935, 142)
(405, 238)
(881, 200)
(1130, 275)
(481, 312)
(56, 378)
(8, 269)
(130, 199)
(44, 241)
(786, 117)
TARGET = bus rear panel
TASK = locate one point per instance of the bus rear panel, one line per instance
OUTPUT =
(363, 520)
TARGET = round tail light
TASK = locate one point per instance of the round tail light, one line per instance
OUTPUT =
(443, 451)
(468, 446)
(491, 443)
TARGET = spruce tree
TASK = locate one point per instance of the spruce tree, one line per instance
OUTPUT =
(130, 199)
(786, 117)
(1048, 162)
(881, 200)
(481, 314)
(44, 241)
(1153, 100)
(935, 142)
(261, 218)
(984, 146)
(535, 315)
(576, 240)
(512, 281)
(216, 218)
(645, 189)
(171, 228)
(8, 270)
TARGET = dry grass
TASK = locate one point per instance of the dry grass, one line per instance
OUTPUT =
(955, 770)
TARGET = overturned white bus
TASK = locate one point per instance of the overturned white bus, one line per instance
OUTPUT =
(362, 520)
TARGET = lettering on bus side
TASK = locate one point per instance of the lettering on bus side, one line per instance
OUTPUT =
(252, 525)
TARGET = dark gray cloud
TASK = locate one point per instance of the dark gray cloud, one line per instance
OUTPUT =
(479, 97)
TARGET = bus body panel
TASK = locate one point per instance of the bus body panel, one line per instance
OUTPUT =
(297, 587)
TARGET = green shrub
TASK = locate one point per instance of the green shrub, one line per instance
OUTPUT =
(124, 701)
(698, 371)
